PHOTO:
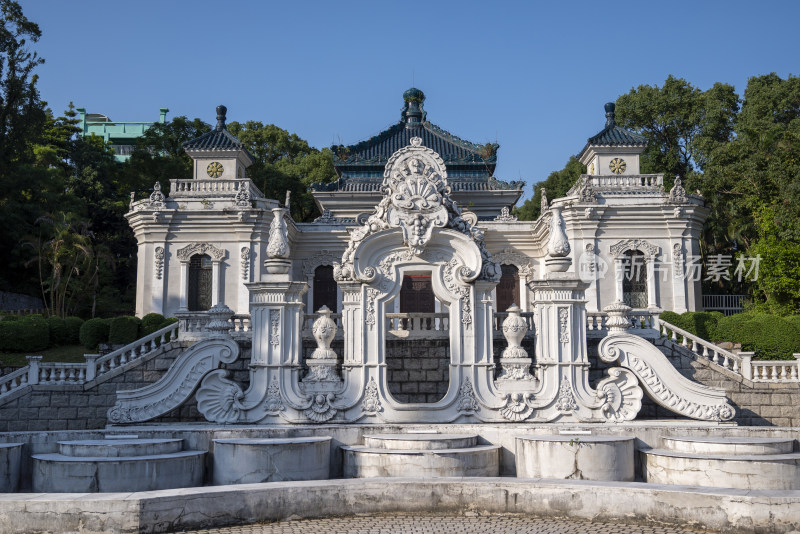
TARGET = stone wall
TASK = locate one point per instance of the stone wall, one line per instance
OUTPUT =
(17, 301)
(419, 370)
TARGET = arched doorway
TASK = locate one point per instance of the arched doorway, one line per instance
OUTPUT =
(508, 288)
(325, 289)
(634, 279)
(200, 282)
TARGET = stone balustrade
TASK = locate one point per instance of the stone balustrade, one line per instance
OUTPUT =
(61, 373)
(64, 373)
(639, 318)
(180, 189)
(99, 365)
(13, 381)
(419, 325)
(621, 181)
(193, 326)
(703, 349)
(776, 371)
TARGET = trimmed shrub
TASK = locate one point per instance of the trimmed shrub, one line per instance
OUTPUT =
(152, 322)
(124, 330)
(58, 331)
(771, 337)
(28, 334)
(73, 325)
(93, 332)
(671, 318)
(11, 318)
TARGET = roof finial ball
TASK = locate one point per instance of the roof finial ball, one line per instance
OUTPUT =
(413, 114)
(221, 111)
(610, 115)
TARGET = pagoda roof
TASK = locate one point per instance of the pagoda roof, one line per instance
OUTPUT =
(218, 139)
(613, 134)
(376, 151)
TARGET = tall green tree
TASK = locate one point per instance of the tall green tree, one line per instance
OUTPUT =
(556, 185)
(682, 124)
(284, 162)
(753, 186)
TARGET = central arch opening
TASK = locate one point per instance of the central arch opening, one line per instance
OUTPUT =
(417, 342)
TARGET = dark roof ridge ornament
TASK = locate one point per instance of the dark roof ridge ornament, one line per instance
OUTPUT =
(221, 112)
(611, 120)
(413, 115)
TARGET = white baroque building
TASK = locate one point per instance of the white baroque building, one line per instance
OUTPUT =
(416, 242)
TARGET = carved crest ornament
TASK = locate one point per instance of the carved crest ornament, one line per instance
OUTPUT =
(416, 200)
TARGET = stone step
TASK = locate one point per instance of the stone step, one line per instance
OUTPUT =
(728, 445)
(477, 461)
(756, 471)
(57, 473)
(255, 460)
(420, 442)
(576, 457)
(113, 448)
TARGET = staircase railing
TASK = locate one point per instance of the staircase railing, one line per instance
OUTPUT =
(741, 363)
(59, 373)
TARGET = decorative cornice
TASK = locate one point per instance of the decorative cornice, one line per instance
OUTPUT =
(186, 253)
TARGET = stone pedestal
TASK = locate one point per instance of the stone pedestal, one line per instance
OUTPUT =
(248, 461)
(578, 457)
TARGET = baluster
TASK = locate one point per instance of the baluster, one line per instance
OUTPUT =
(4, 388)
(726, 362)
(794, 372)
(62, 375)
(715, 359)
(736, 366)
(762, 372)
(112, 364)
(781, 372)
(674, 336)
(71, 375)
(123, 357)
(685, 342)
(705, 352)
(694, 346)
(82, 374)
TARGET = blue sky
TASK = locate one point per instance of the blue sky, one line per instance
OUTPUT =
(532, 76)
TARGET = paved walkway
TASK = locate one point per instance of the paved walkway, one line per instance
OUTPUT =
(399, 524)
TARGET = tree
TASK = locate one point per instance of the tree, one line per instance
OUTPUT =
(284, 162)
(682, 124)
(21, 111)
(557, 184)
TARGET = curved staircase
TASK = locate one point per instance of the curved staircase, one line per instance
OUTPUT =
(127, 464)
(728, 462)
(421, 455)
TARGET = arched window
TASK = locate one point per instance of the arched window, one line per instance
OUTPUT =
(634, 279)
(324, 288)
(200, 282)
(508, 288)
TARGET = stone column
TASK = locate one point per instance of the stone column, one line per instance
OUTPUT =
(215, 282)
(184, 302)
(651, 281)
(678, 279)
(352, 322)
(159, 268)
(619, 275)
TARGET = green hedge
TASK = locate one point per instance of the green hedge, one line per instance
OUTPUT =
(93, 332)
(58, 331)
(771, 337)
(73, 325)
(27, 334)
(152, 322)
(124, 330)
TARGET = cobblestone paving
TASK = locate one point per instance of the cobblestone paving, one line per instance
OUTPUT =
(399, 524)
